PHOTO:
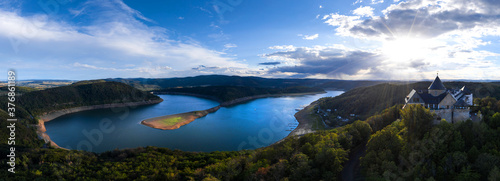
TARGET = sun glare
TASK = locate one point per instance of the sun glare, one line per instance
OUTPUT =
(405, 49)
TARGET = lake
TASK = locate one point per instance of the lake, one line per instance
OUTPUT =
(250, 125)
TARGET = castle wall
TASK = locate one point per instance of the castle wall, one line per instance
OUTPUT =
(459, 115)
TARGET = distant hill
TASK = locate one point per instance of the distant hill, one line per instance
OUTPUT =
(40, 84)
(228, 93)
(366, 101)
(223, 80)
(81, 94)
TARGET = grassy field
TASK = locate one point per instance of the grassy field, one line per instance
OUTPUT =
(171, 121)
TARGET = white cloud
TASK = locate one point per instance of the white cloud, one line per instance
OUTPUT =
(116, 35)
(282, 47)
(364, 11)
(310, 37)
(230, 45)
(320, 6)
(460, 28)
(357, 2)
(377, 1)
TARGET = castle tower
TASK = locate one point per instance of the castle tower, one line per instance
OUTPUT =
(437, 87)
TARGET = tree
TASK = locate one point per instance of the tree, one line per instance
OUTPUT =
(417, 120)
(494, 174)
(494, 122)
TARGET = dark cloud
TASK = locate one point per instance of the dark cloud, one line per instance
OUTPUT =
(297, 54)
(418, 64)
(203, 67)
(348, 62)
(270, 63)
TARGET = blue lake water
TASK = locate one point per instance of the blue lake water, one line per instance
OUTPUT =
(250, 125)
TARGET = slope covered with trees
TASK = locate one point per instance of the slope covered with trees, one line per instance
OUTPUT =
(223, 80)
(228, 93)
(84, 93)
(367, 101)
(413, 148)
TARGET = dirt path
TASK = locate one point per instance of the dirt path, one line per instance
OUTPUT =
(352, 169)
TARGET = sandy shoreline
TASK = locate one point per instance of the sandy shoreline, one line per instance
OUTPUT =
(46, 117)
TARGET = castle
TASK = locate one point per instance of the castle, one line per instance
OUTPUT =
(449, 104)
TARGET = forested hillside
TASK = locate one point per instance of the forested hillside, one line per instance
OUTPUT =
(228, 93)
(222, 80)
(366, 101)
(81, 94)
(413, 148)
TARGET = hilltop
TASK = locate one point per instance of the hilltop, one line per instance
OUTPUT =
(366, 101)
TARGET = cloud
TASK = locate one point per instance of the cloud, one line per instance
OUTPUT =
(377, 1)
(333, 61)
(357, 2)
(114, 33)
(230, 45)
(203, 67)
(310, 37)
(451, 34)
(270, 63)
(424, 19)
(364, 11)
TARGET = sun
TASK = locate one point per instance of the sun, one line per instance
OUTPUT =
(405, 49)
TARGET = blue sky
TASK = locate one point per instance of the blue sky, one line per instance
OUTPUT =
(359, 39)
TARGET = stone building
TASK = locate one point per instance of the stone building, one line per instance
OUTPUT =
(453, 105)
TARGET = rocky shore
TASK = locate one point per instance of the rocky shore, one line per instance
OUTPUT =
(305, 120)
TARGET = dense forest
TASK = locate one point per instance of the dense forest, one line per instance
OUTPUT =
(83, 93)
(367, 101)
(223, 80)
(401, 145)
(228, 93)
(413, 147)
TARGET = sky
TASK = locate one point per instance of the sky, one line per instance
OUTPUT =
(334, 39)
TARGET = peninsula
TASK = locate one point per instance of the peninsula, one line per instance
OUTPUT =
(174, 121)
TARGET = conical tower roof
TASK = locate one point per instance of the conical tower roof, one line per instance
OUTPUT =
(437, 84)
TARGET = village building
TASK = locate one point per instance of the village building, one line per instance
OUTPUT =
(453, 105)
